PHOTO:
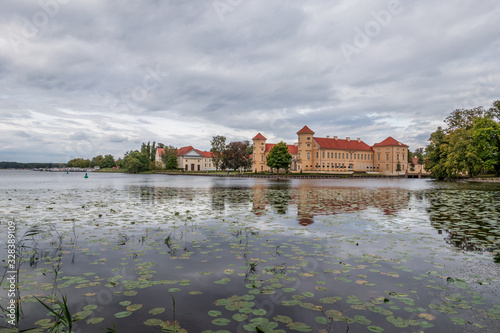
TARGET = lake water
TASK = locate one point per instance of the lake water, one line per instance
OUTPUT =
(147, 253)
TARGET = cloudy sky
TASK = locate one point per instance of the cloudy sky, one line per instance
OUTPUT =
(80, 78)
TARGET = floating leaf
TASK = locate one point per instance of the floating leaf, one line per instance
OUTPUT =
(134, 307)
(221, 321)
(156, 311)
(214, 313)
(122, 314)
(95, 320)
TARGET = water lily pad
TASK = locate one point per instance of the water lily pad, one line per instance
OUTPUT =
(156, 311)
(122, 314)
(95, 320)
(221, 321)
(214, 313)
(134, 307)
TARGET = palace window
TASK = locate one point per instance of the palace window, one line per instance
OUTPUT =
(323, 154)
(387, 166)
(308, 138)
(309, 145)
(343, 155)
(397, 156)
(387, 157)
(308, 155)
(335, 155)
(317, 154)
(262, 157)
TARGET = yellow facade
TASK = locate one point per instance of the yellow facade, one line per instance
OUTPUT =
(324, 154)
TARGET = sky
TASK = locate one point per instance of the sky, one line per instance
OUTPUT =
(80, 78)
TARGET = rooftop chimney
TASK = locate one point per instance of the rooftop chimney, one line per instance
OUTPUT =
(348, 139)
(359, 140)
(336, 137)
(296, 144)
(328, 137)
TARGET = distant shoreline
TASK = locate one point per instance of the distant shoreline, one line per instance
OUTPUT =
(281, 176)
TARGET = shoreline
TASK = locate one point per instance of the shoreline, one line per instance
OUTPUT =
(281, 176)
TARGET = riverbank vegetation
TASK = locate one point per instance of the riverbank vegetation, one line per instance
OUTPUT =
(469, 146)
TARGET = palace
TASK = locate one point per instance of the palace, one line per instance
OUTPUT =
(311, 154)
(189, 159)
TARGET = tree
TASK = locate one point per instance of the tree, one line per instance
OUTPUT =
(169, 151)
(135, 162)
(279, 157)
(486, 138)
(463, 118)
(236, 156)
(436, 152)
(218, 146)
(462, 154)
(108, 162)
(171, 163)
(96, 161)
(398, 167)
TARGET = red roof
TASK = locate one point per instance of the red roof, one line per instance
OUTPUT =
(325, 143)
(259, 137)
(305, 129)
(207, 154)
(184, 150)
(292, 149)
(390, 141)
(415, 160)
(160, 151)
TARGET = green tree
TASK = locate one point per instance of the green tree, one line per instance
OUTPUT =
(436, 152)
(108, 162)
(218, 146)
(486, 138)
(171, 163)
(463, 118)
(167, 153)
(462, 154)
(279, 157)
(96, 161)
(135, 162)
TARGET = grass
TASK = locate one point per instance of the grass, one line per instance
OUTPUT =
(62, 314)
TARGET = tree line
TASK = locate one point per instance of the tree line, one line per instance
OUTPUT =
(17, 165)
(470, 145)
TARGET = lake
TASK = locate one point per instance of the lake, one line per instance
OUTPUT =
(152, 253)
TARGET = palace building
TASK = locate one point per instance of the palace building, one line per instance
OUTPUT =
(324, 154)
(189, 159)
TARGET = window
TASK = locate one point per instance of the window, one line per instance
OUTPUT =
(323, 154)
(386, 157)
(343, 155)
(317, 154)
(403, 157)
(298, 166)
(335, 155)
(262, 157)
(262, 143)
(387, 166)
(308, 138)
(308, 155)
(299, 155)
(328, 155)
(309, 145)
(397, 157)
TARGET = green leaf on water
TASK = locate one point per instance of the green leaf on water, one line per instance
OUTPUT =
(214, 313)
(283, 319)
(308, 294)
(221, 321)
(322, 320)
(301, 327)
(90, 307)
(259, 312)
(376, 329)
(125, 303)
(156, 311)
(458, 321)
(240, 317)
(134, 307)
(130, 293)
(122, 314)
(95, 320)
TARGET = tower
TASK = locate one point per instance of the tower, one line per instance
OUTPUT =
(305, 157)
(259, 152)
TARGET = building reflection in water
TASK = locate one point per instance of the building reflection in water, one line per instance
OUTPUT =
(313, 201)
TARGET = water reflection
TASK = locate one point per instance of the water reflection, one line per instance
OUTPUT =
(469, 219)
